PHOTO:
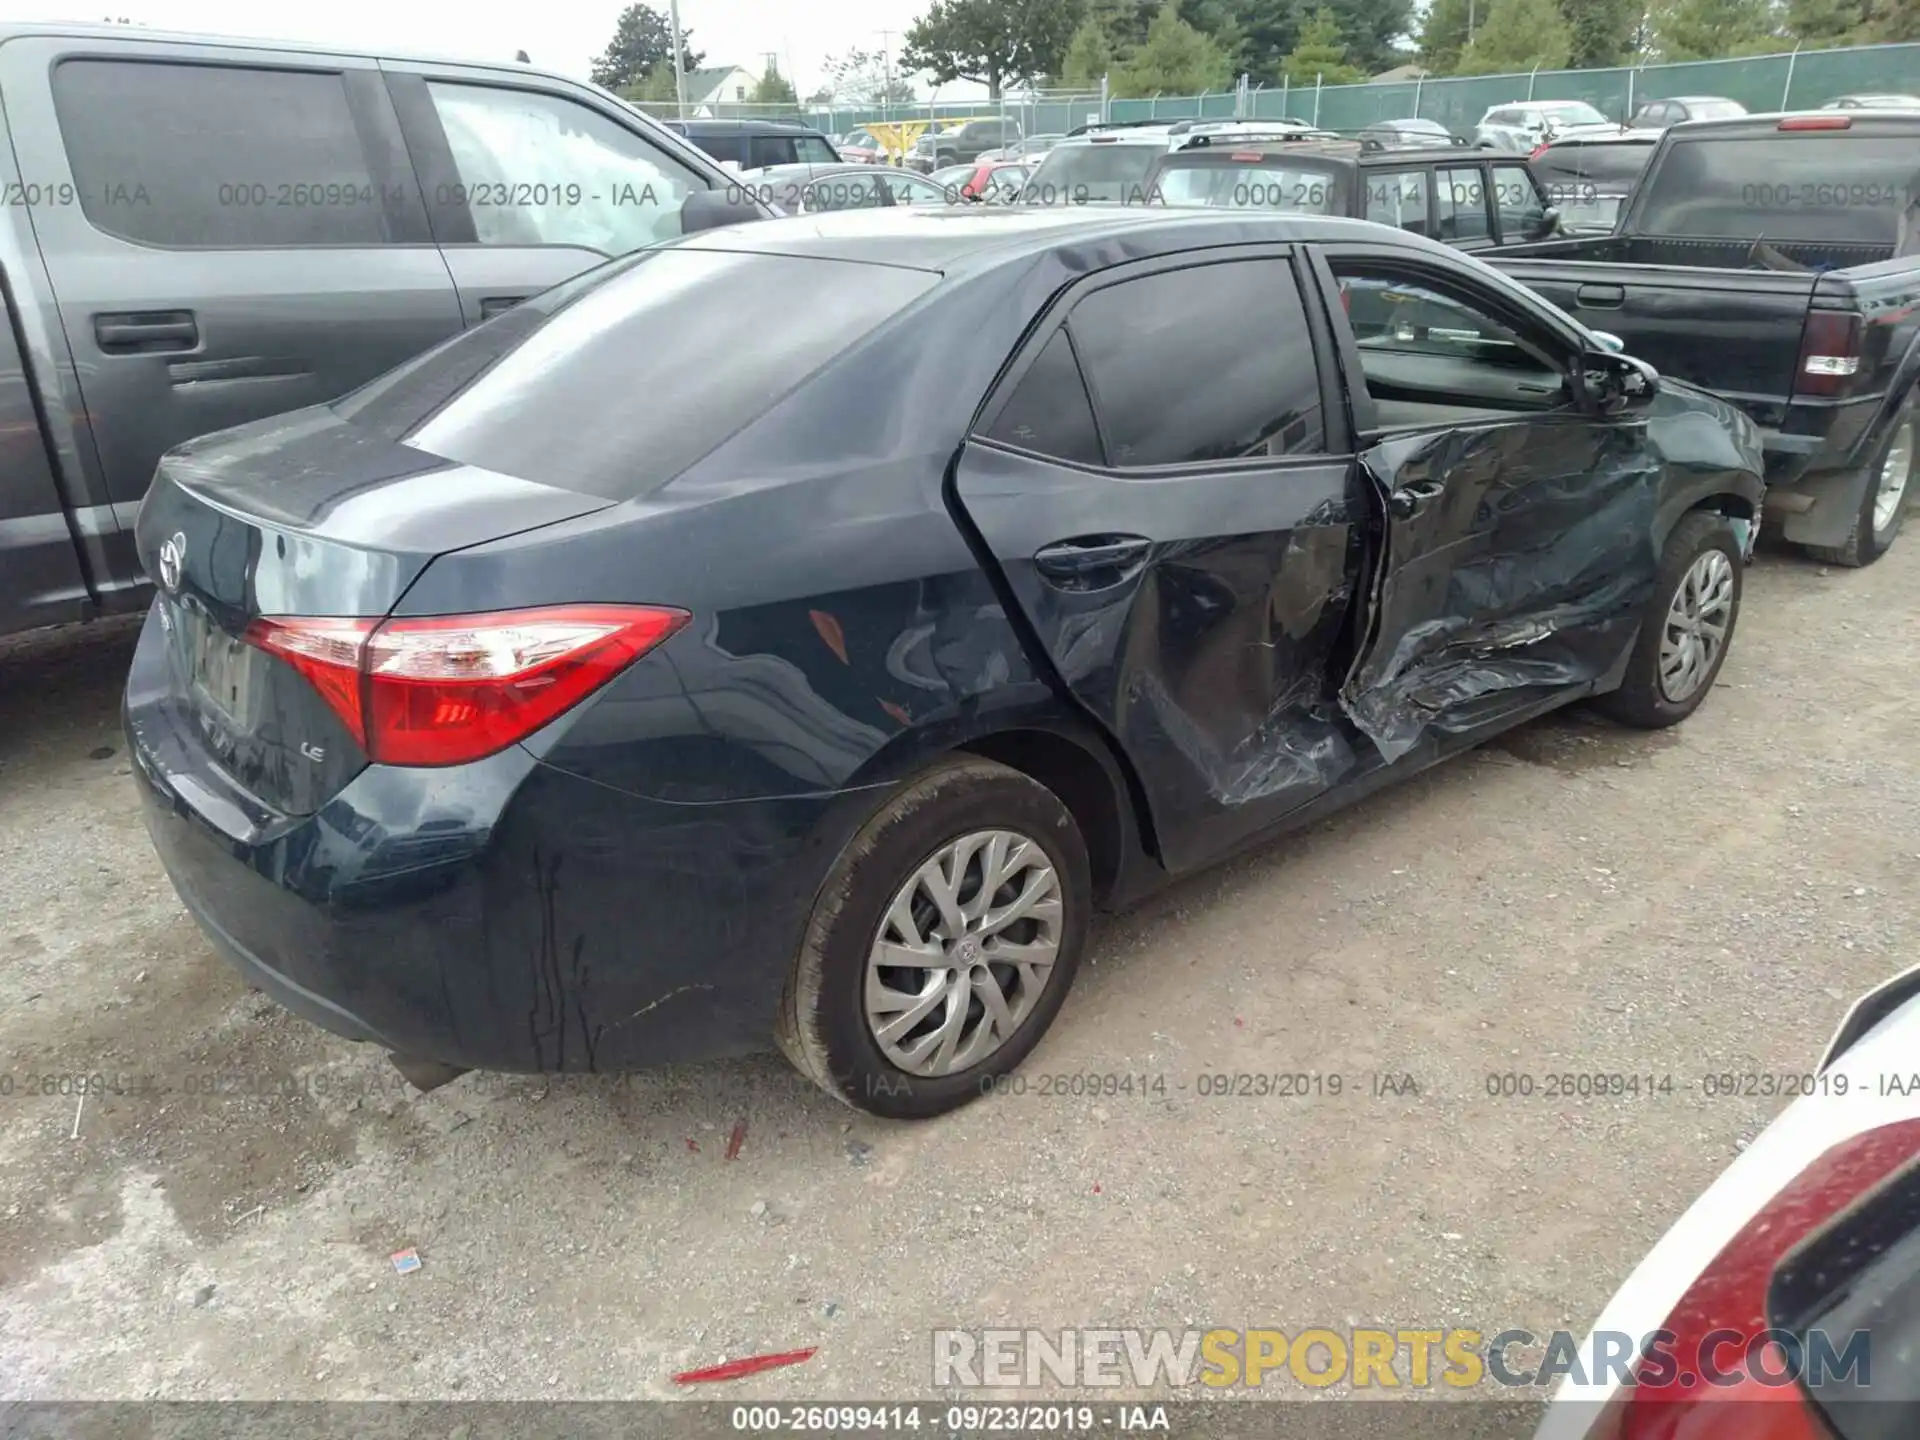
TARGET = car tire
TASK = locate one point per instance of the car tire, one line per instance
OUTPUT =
(1883, 507)
(1700, 577)
(834, 1010)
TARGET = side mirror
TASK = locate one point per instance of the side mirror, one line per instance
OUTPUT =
(1549, 224)
(1610, 341)
(1611, 382)
(710, 209)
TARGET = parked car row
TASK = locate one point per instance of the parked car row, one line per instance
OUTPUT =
(497, 600)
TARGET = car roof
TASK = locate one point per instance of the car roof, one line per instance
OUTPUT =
(1872, 122)
(952, 238)
(1699, 99)
(62, 29)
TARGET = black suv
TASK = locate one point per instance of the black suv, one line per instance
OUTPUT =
(756, 144)
(964, 144)
(1470, 199)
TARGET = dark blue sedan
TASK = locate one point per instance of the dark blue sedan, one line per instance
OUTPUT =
(795, 631)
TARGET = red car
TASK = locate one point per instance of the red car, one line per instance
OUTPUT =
(989, 175)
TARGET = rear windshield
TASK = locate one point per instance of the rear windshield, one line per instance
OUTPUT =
(1619, 164)
(1093, 173)
(614, 382)
(1781, 187)
(1248, 186)
(1574, 112)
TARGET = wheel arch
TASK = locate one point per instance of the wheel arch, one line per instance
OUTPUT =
(1078, 764)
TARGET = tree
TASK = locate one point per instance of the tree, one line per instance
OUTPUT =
(1891, 21)
(1443, 35)
(1518, 35)
(1320, 58)
(1175, 60)
(1089, 56)
(1270, 29)
(1714, 29)
(1602, 32)
(1220, 21)
(656, 87)
(991, 42)
(774, 88)
(1371, 31)
(1819, 24)
(641, 40)
(868, 77)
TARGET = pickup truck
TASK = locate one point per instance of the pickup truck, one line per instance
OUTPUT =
(199, 232)
(1775, 259)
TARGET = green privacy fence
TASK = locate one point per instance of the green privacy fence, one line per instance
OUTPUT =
(1801, 80)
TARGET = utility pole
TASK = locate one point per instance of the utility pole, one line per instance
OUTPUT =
(679, 61)
(886, 65)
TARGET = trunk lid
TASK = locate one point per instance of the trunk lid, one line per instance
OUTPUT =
(310, 515)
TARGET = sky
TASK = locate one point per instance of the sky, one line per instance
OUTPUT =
(562, 35)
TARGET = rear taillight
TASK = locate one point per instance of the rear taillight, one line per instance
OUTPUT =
(1816, 122)
(1726, 1374)
(1539, 150)
(447, 689)
(1829, 353)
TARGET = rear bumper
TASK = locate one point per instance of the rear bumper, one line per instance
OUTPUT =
(504, 915)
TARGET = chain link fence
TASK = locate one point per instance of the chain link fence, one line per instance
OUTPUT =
(1803, 79)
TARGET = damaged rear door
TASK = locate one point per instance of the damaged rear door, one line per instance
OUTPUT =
(1518, 524)
(1165, 480)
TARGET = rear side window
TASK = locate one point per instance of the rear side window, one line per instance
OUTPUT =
(1207, 363)
(538, 169)
(1048, 412)
(1398, 198)
(207, 156)
(615, 382)
(1863, 189)
(1460, 205)
(723, 148)
(814, 150)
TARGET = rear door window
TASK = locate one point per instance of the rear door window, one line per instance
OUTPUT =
(1398, 198)
(218, 156)
(1048, 411)
(613, 383)
(539, 169)
(1460, 205)
(813, 150)
(1211, 362)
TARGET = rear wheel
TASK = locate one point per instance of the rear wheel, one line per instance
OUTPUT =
(1884, 506)
(942, 944)
(1687, 629)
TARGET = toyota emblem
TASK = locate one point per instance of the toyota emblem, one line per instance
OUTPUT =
(173, 555)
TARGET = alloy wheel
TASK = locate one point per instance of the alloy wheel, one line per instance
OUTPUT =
(1894, 474)
(1696, 626)
(963, 953)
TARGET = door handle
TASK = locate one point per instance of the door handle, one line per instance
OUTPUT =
(492, 305)
(146, 332)
(1073, 561)
(1601, 297)
(1409, 500)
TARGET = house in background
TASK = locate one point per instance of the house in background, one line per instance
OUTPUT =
(716, 86)
(1399, 75)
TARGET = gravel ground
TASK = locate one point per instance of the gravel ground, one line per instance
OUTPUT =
(1573, 898)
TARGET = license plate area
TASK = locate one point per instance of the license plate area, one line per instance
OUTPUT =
(220, 672)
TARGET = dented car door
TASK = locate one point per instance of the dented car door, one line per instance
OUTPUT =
(1166, 481)
(1518, 533)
